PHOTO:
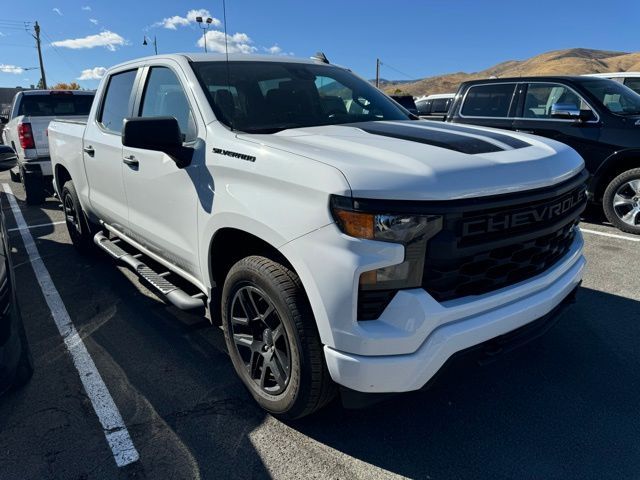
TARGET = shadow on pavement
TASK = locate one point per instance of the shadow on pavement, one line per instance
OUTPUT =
(564, 406)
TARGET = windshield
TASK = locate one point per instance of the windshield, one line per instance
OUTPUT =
(267, 97)
(614, 96)
(55, 104)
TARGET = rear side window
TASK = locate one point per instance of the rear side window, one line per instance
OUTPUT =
(440, 105)
(489, 100)
(424, 107)
(117, 101)
(633, 84)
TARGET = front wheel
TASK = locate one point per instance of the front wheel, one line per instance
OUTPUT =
(272, 338)
(621, 201)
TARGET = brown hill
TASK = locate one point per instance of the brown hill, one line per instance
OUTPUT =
(575, 61)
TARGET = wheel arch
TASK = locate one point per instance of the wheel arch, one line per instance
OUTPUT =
(613, 166)
(61, 175)
(227, 246)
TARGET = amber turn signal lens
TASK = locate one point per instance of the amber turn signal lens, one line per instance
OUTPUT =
(355, 224)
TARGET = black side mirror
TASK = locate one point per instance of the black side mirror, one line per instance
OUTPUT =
(4, 120)
(8, 158)
(161, 134)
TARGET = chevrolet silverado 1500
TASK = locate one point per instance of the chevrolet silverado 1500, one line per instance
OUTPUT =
(337, 240)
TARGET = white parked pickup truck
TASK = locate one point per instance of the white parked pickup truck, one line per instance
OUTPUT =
(336, 246)
(26, 133)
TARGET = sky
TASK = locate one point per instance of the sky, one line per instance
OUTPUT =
(413, 39)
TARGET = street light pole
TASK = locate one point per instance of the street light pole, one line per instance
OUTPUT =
(204, 24)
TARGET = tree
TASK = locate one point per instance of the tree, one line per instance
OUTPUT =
(66, 86)
(40, 85)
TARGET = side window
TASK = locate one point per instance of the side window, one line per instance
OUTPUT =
(441, 105)
(164, 97)
(489, 100)
(424, 107)
(115, 107)
(541, 96)
(633, 83)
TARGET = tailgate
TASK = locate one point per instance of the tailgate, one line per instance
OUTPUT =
(39, 127)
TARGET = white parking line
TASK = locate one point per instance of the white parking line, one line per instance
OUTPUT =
(36, 226)
(112, 423)
(611, 235)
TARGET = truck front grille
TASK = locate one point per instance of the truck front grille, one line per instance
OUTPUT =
(485, 248)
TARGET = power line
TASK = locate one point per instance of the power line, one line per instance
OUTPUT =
(396, 70)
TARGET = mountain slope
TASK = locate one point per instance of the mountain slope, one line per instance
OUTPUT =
(574, 61)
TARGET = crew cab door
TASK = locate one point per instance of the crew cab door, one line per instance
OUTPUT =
(162, 197)
(535, 117)
(102, 146)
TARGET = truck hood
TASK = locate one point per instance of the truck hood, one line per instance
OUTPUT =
(424, 160)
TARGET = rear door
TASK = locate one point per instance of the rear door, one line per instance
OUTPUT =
(489, 105)
(163, 198)
(103, 148)
(535, 117)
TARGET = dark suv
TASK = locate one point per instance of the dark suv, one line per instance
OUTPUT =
(598, 117)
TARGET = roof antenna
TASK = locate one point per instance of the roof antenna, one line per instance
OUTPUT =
(321, 57)
(226, 52)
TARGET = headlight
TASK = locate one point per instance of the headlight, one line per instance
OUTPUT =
(412, 231)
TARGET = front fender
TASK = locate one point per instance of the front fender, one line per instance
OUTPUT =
(611, 164)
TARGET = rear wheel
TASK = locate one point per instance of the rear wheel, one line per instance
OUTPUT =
(272, 338)
(621, 201)
(33, 184)
(77, 224)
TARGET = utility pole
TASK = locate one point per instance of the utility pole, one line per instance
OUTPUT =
(377, 72)
(36, 28)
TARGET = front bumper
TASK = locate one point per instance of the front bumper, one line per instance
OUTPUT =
(402, 373)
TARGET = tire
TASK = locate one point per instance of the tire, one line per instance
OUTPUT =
(24, 369)
(15, 176)
(621, 201)
(305, 384)
(33, 184)
(79, 228)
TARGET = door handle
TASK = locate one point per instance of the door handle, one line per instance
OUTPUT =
(131, 161)
(89, 151)
(524, 131)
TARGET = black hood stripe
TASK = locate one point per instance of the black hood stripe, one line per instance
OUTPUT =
(437, 138)
(501, 137)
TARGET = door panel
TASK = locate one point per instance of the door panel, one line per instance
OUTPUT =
(584, 137)
(102, 146)
(162, 198)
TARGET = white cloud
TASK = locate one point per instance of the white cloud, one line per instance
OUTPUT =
(94, 21)
(172, 23)
(238, 42)
(95, 73)
(274, 50)
(3, 34)
(107, 39)
(57, 10)
(86, 8)
(11, 69)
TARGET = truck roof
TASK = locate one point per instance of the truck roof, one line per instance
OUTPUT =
(219, 57)
(547, 78)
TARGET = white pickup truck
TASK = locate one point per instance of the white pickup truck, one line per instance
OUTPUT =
(337, 239)
(26, 133)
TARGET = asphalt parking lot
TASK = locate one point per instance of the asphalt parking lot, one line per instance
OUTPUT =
(564, 406)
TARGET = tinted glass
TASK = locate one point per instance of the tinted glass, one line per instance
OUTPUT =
(55, 104)
(633, 84)
(266, 97)
(115, 107)
(424, 107)
(542, 96)
(616, 97)
(164, 97)
(440, 105)
(489, 100)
